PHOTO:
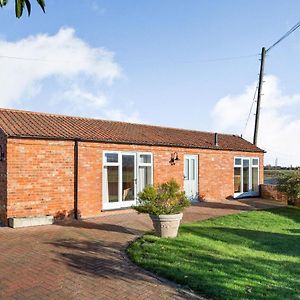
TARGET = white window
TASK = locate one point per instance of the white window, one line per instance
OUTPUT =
(145, 170)
(255, 175)
(111, 157)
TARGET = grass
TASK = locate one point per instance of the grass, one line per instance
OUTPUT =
(252, 255)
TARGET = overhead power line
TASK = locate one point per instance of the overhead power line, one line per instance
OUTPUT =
(33, 59)
(294, 28)
(260, 83)
(228, 58)
(250, 111)
(206, 60)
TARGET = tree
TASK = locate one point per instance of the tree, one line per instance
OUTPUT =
(21, 4)
(290, 185)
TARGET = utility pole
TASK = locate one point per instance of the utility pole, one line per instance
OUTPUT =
(260, 83)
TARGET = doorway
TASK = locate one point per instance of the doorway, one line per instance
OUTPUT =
(125, 174)
(191, 177)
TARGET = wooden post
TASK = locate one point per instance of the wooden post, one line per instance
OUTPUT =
(261, 76)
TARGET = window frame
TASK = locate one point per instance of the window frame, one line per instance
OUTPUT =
(139, 164)
(106, 163)
(258, 173)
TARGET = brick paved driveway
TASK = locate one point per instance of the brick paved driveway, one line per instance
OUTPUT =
(85, 260)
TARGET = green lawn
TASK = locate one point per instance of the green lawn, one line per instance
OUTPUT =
(252, 255)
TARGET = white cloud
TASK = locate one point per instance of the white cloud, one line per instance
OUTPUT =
(97, 8)
(62, 54)
(118, 115)
(60, 73)
(279, 124)
(81, 97)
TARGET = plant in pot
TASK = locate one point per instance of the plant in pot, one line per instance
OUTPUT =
(164, 203)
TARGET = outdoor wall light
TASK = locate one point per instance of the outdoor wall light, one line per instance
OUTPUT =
(174, 158)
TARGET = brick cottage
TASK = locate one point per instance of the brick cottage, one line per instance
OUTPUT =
(54, 165)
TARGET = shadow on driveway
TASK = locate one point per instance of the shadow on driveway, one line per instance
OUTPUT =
(99, 226)
(95, 258)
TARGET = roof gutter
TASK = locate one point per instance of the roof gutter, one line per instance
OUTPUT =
(129, 143)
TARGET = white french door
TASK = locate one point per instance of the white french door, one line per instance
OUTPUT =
(246, 177)
(191, 176)
(124, 175)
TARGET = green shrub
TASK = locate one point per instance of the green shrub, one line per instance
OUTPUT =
(163, 199)
(290, 185)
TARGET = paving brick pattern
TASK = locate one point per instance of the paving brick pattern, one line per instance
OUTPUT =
(86, 259)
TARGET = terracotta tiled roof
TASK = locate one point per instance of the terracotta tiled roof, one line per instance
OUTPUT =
(17, 123)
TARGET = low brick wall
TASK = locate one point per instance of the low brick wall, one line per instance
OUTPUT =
(270, 191)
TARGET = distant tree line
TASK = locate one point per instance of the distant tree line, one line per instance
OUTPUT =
(270, 167)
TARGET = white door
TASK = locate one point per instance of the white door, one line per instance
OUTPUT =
(246, 177)
(119, 180)
(124, 175)
(191, 176)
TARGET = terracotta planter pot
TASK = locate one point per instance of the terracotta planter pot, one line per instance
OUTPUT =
(166, 225)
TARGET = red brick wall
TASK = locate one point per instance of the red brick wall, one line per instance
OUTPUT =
(215, 170)
(41, 174)
(40, 178)
(89, 179)
(3, 180)
(269, 191)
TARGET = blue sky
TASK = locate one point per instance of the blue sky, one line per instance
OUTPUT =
(157, 71)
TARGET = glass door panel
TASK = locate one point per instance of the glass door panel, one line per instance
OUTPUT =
(237, 180)
(186, 169)
(246, 173)
(128, 177)
(192, 168)
(255, 184)
(112, 175)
